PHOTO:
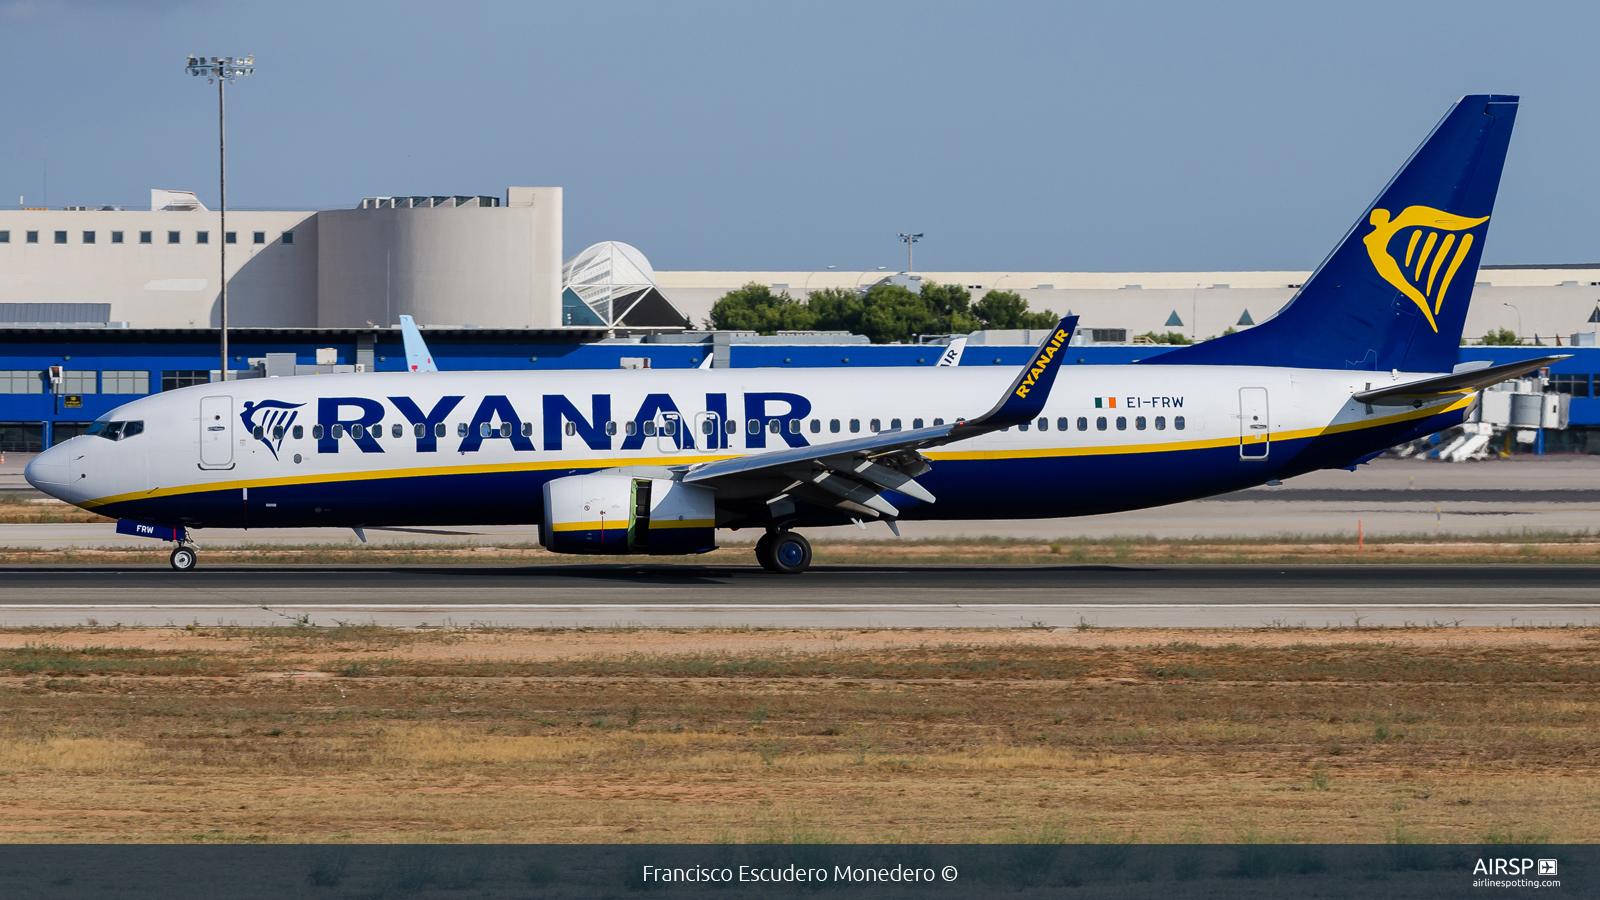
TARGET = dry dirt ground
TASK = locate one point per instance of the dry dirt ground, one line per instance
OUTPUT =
(367, 734)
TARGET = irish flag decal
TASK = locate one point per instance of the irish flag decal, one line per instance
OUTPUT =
(1105, 403)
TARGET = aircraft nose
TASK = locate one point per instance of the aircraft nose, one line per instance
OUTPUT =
(50, 473)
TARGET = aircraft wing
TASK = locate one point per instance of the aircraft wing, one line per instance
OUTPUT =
(1455, 383)
(852, 474)
(418, 357)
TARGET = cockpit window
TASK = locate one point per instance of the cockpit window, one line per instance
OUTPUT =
(115, 431)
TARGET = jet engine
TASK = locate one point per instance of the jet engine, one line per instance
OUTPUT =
(616, 513)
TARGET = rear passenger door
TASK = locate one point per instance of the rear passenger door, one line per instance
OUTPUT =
(216, 432)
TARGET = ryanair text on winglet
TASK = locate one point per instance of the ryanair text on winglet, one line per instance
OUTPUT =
(1042, 362)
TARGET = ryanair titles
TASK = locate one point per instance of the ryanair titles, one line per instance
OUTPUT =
(769, 417)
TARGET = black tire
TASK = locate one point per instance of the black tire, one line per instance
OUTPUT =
(764, 552)
(791, 553)
(183, 559)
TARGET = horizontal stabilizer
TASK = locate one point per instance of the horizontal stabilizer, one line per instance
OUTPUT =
(1454, 383)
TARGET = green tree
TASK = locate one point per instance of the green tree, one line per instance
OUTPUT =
(951, 305)
(1501, 337)
(835, 309)
(1171, 337)
(755, 307)
(1007, 309)
(891, 313)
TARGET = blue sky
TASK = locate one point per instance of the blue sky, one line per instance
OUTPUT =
(1026, 136)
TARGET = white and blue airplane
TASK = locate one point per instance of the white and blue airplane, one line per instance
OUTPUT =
(653, 461)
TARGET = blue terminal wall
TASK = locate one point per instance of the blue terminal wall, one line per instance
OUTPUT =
(113, 351)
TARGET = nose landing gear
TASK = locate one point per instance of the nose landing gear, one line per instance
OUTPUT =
(183, 559)
(783, 552)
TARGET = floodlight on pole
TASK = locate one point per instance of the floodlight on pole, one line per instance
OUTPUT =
(1519, 319)
(909, 240)
(222, 70)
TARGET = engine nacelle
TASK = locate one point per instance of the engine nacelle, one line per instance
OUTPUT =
(617, 513)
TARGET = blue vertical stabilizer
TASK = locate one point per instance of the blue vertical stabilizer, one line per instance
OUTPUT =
(1394, 294)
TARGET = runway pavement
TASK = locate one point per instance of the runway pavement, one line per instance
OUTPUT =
(825, 597)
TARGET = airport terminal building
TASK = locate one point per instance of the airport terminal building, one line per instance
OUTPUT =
(126, 302)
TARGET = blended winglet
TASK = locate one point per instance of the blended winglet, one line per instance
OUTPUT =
(418, 357)
(1027, 395)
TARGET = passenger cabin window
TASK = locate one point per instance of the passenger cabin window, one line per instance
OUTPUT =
(1177, 422)
(1100, 423)
(461, 429)
(816, 426)
(572, 429)
(708, 426)
(938, 421)
(1122, 423)
(1138, 422)
(1022, 426)
(505, 429)
(753, 426)
(438, 429)
(649, 429)
(357, 431)
(894, 424)
(1083, 424)
(299, 432)
(277, 432)
(1161, 423)
(916, 423)
(483, 429)
(316, 432)
(774, 426)
(833, 426)
(338, 431)
(1044, 424)
(398, 431)
(855, 426)
(527, 429)
(876, 425)
(731, 426)
(258, 432)
(670, 427)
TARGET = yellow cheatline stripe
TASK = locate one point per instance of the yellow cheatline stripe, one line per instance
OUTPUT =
(657, 525)
(589, 465)
(379, 474)
(589, 526)
(618, 526)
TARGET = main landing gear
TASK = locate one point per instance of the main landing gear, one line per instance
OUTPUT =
(783, 552)
(183, 558)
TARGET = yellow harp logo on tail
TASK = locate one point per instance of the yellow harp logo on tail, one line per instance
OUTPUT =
(1419, 276)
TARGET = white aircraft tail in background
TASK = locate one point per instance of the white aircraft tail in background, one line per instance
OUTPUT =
(952, 353)
(418, 357)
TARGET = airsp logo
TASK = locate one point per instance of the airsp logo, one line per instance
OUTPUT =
(1419, 276)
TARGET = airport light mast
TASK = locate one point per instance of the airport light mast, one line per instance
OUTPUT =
(222, 70)
(910, 241)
